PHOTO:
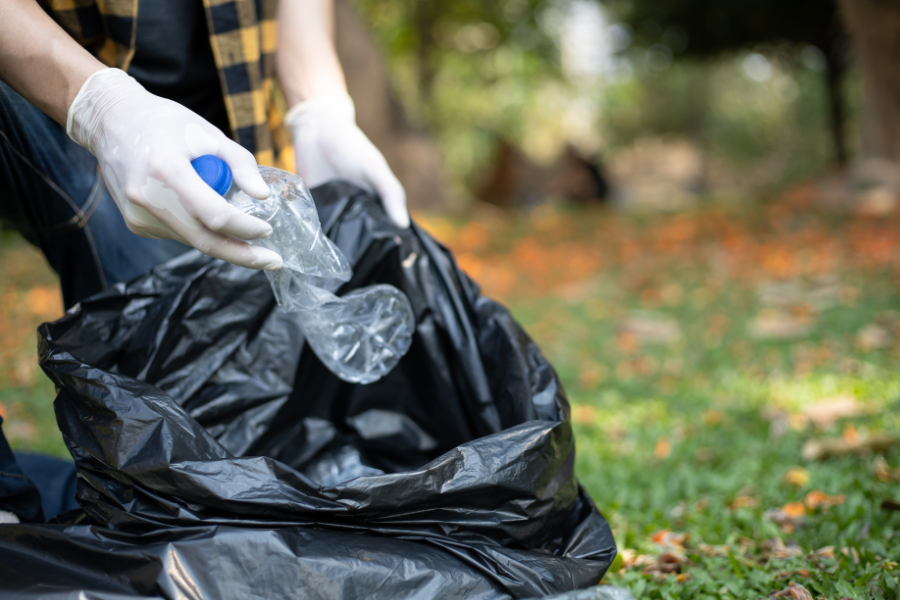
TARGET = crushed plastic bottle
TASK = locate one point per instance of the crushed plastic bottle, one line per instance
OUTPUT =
(360, 336)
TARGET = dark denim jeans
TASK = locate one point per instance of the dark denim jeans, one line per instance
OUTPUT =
(52, 192)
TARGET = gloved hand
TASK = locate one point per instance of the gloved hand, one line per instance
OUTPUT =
(145, 145)
(329, 145)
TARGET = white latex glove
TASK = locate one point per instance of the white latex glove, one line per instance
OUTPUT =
(329, 145)
(145, 145)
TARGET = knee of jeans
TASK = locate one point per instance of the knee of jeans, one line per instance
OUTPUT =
(40, 163)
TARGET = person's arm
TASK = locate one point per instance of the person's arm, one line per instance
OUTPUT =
(144, 144)
(328, 144)
(306, 60)
(40, 60)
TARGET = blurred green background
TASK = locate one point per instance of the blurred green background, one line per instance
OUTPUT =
(677, 202)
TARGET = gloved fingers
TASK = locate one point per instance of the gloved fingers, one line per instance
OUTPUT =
(212, 210)
(344, 152)
(244, 170)
(229, 249)
(391, 191)
(313, 167)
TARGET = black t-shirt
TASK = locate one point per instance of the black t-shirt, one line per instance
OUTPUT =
(173, 57)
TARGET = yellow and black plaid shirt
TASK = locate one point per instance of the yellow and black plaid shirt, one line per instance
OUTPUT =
(243, 34)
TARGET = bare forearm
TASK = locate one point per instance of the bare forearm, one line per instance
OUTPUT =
(40, 60)
(306, 59)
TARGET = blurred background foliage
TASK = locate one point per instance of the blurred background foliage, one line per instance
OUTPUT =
(739, 82)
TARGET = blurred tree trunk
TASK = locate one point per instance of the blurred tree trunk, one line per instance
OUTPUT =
(425, 17)
(874, 28)
(835, 51)
(411, 152)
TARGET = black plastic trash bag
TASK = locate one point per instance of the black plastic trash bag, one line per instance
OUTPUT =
(218, 458)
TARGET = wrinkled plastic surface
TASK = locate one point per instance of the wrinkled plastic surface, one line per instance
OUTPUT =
(361, 336)
(218, 458)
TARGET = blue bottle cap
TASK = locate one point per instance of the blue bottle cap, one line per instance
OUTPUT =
(214, 172)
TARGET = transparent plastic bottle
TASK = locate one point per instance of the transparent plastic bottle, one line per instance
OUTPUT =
(360, 336)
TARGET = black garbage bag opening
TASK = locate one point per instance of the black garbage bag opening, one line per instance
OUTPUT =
(204, 429)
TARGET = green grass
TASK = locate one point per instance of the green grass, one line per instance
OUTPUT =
(29, 295)
(672, 443)
(671, 433)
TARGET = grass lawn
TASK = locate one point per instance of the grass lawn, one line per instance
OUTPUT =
(29, 296)
(712, 359)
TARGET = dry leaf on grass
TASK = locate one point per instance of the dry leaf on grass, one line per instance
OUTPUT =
(742, 502)
(820, 500)
(878, 201)
(834, 447)
(873, 337)
(791, 293)
(851, 553)
(666, 563)
(794, 510)
(670, 540)
(884, 472)
(827, 411)
(712, 418)
(851, 435)
(794, 591)
(797, 477)
(798, 572)
(789, 516)
(781, 421)
(776, 325)
(592, 376)
(583, 414)
(822, 413)
(630, 558)
(787, 520)
(777, 549)
(649, 328)
(663, 448)
(712, 550)
(21, 429)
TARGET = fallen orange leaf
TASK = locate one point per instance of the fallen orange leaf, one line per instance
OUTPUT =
(583, 414)
(826, 411)
(44, 300)
(794, 510)
(816, 499)
(628, 342)
(797, 476)
(663, 448)
(883, 470)
(669, 539)
(660, 535)
(711, 418)
(472, 236)
(780, 550)
(850, 434)
(591, 377)
(742, 502)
